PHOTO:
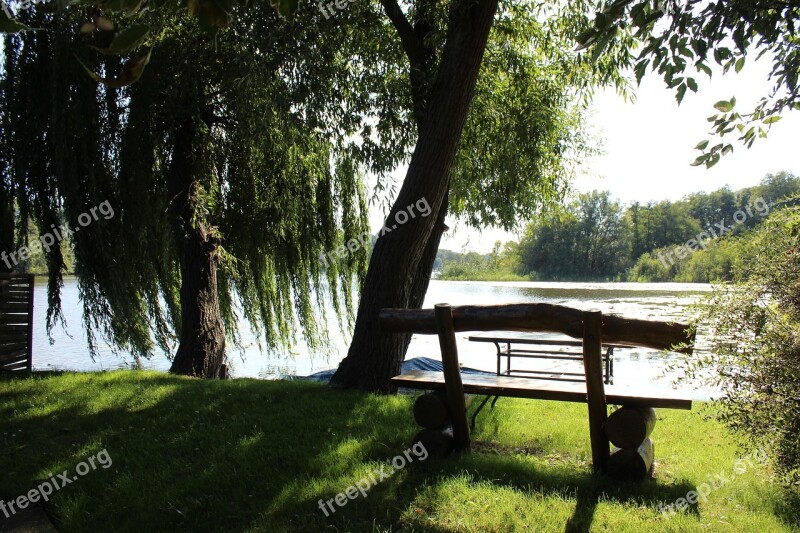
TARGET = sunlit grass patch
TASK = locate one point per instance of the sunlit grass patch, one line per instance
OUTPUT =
(260, 456)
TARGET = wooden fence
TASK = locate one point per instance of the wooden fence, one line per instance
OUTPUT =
(16, 321)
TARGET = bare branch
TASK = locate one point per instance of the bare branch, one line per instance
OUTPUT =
(408, 38)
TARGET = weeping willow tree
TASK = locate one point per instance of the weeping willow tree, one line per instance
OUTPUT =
(231, 167)
(7, 204)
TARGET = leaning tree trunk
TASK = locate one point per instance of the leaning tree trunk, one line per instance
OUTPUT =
(404, 254)
(201, 352)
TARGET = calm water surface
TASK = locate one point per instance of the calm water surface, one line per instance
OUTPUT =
(656, 301)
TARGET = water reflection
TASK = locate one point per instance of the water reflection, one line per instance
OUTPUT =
(656, 301)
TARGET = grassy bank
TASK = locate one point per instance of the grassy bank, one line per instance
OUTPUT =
(257, 456)
(480, 275)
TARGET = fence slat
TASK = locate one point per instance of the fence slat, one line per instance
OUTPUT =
(16, 321)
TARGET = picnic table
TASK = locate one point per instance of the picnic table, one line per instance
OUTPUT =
(531, 346)
(552, 349)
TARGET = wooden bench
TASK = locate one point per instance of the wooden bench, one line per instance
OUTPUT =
(592, 327)
(515, 387)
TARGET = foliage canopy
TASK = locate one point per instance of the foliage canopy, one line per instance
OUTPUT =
(274, 107)
(678, 38)
(754, 325)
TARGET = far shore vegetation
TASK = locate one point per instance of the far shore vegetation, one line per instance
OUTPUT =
(698, 239)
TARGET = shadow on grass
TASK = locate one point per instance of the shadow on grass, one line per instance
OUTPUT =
(187, 454)
(585, 488)
(248, 455)
(788, 508)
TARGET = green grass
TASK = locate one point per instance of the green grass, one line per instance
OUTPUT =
(249, 455)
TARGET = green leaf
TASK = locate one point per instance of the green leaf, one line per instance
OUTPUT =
(701, 145)
(637, 14)
(212, 13)
(601, 45)
(772, 119)
(129, 6)
(681, 92)
(739, 64)
(641, 68)
(713, 160)
(703, 67)
(699, 161)
(692, 84)
(285, 8)
(724, 105)
(129, 38)
(584, 39)
(9, 25)
(131, 72)
(700, 47)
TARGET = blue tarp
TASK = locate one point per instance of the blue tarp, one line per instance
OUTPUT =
(417, 363)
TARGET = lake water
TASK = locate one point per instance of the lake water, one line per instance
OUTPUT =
(654, 301)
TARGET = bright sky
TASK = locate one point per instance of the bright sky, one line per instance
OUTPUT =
(648, 146)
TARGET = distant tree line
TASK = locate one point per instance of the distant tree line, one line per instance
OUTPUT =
(596, 237)
(499, 265)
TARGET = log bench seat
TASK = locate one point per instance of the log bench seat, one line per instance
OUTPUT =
(628, 427)
(534, 389)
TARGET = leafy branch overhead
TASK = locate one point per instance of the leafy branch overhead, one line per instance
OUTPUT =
(212, 14)
(681, 39)
(131, 72)
(123, 42)
(9, 24)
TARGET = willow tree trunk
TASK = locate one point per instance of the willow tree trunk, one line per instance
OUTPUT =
(201, 351)
(402, 259)
(6, 224)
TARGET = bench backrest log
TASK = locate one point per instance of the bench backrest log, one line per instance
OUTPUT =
(540, 317)
(592, 327)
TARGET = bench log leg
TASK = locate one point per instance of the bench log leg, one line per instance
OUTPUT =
(452, 376)
(595, 390)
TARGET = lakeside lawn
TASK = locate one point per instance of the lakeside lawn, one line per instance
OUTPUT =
(249, 455)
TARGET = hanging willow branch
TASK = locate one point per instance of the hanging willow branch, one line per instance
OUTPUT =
(278, 182)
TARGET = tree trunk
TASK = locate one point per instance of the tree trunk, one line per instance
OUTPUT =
(201, 352)
(6, 225)
(402, 258)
